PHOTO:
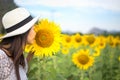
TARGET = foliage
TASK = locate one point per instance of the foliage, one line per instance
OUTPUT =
(61, 67)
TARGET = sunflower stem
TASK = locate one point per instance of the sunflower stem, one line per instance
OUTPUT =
(41, 65)
(82, 75)
(111, 61)
(39, 68)
(90, 72)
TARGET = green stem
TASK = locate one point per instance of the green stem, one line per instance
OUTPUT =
(91, 71)
(39, 69)
(82, 75)
(111, 61)
(54, 62)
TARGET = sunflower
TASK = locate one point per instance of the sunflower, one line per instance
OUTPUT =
(48, 38)
(65, 50)
(117, 38)
(77, 40)
(90, 40)
(82, 59)
(111, 41)
(96, 52)
(119, 58)
(101, 42)
(66, 40)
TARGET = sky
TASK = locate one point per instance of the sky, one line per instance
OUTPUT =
(77, 15)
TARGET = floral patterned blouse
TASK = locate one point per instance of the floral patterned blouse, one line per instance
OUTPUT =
(7, 69)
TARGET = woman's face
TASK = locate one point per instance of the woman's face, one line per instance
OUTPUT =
(31, 36)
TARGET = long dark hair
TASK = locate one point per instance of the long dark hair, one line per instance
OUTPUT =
(16, 49)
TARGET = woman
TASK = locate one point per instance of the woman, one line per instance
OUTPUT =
(19, 26)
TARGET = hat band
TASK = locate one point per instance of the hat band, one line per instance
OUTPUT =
(12, 28)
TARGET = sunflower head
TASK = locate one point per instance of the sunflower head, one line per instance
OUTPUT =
(66, 40)
(96, 52)
(119, 58)
(82, 59)
(111, 41)
(47, 39)
(90, 39)
(78, 38)
(117, 40)
(65, 50)
(44, 38)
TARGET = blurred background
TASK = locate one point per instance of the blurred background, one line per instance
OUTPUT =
(88, 47)
(84, 16)
(5, 5)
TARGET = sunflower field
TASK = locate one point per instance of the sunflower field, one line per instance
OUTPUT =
(61, 56)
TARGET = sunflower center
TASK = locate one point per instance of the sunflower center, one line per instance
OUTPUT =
(83, 59)
(90, 39)
(111, 43)
(68, 39)
(78, 39)
(101, 44)
(44, 38)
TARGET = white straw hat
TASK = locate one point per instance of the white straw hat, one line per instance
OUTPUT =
(17, 21)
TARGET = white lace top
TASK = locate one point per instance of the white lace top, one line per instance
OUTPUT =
(7, 69)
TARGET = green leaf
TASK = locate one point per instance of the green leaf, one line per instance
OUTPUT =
(97, 75)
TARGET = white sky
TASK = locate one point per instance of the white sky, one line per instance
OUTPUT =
(77, 15)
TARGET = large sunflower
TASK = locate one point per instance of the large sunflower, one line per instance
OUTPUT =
(82, 59)
(47, 40)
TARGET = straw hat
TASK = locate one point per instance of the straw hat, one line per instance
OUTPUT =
(17, 21)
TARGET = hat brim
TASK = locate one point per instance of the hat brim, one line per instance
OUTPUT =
(21, 30)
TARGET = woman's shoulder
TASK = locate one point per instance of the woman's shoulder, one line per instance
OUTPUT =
(2, 54)
(1, 51)
(5, 65)
(4, 57)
